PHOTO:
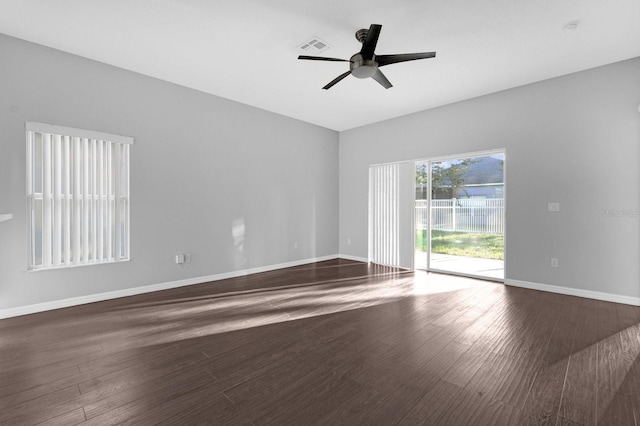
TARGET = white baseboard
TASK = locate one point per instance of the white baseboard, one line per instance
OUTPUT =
(589, 294)
(356, 258)
(75, 301)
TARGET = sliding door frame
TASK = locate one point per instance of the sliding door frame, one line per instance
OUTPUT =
(429, 162)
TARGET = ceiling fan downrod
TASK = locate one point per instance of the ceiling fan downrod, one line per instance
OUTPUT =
(361, 35)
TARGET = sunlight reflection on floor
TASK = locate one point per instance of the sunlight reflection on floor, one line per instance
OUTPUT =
(241, 311)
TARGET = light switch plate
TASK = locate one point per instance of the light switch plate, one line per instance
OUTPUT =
(554, 207)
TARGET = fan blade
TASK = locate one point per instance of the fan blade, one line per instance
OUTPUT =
(320, 58)
(380, 78)
(383, 60)
(335, 80)
(369, 45)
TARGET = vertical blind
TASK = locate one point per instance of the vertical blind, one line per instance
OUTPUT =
(78, 196)
(384, 187)
(391, 228)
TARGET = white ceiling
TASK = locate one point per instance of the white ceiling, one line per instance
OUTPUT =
(246, 50)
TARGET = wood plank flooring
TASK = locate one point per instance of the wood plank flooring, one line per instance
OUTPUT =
(336, 342)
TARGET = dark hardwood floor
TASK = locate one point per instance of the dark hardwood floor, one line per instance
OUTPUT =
(336, 342)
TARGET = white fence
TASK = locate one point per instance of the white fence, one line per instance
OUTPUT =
(484, 216)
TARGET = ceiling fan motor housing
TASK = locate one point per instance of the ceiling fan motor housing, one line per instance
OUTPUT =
(362, 68)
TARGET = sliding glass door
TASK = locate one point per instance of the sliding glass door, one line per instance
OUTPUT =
(459, 215)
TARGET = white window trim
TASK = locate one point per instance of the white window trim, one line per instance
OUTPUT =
(95, 193)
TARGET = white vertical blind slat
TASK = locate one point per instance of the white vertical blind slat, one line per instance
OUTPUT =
(387, 216)
(30, 218)
(380, 224)
(100, 210)
(94, 204)
(86, 201)
(393, 194)
(394, 212)
(110, 201)
(116, 197)
(126, 224)
(374, 208)
(67, 200)
(46, 200)
(57, 200)
(77, 200)
(30, 196)
(378, 230)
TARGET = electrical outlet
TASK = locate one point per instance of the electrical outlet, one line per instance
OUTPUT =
(348, 241)
(295, 245)
(553, 207)
(187, 257)
(554, 262)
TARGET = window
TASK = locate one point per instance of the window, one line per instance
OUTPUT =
(77, 195)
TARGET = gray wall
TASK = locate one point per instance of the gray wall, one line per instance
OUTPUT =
(199, 164)
(573, 139)
(202, 163)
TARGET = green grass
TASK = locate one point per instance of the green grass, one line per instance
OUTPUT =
(484, 246)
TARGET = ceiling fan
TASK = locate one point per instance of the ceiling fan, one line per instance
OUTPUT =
(366, 63)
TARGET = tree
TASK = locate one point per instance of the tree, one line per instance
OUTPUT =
(447, 178)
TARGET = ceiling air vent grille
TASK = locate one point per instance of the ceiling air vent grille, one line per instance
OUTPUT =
(314, 45)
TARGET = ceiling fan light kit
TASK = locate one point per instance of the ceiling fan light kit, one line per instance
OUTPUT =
(366, 64)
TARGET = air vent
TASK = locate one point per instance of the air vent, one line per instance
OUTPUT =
(314, 45)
